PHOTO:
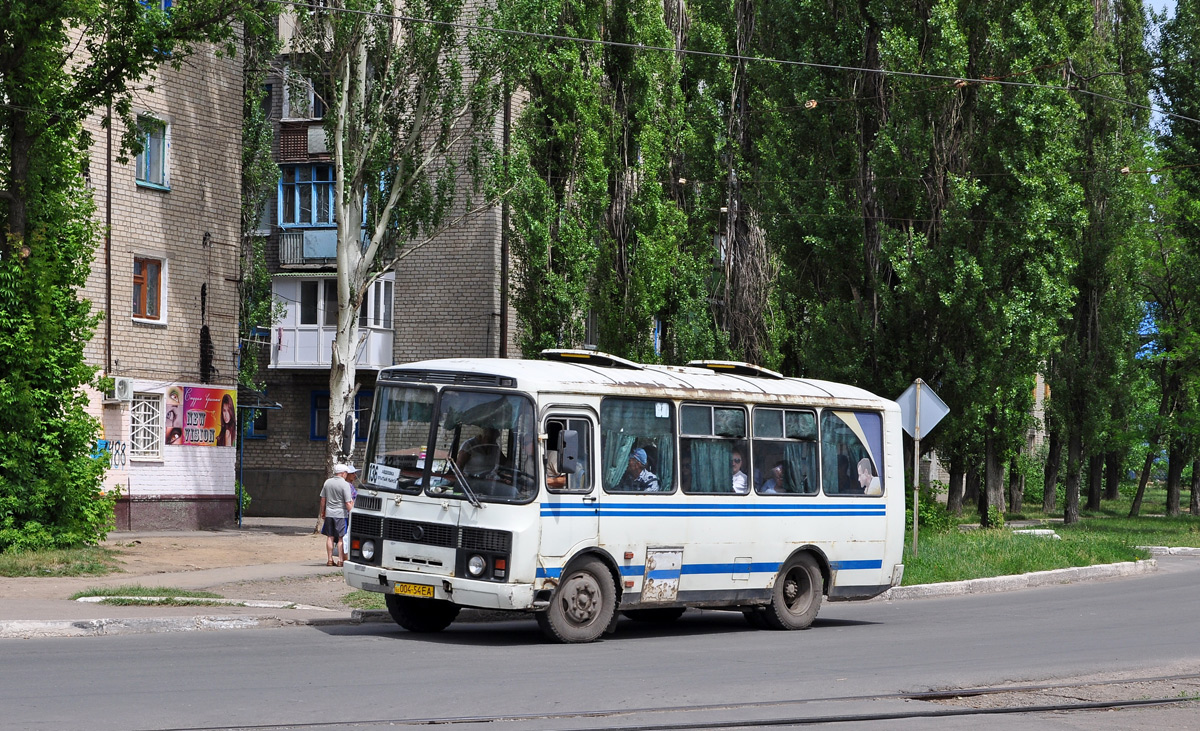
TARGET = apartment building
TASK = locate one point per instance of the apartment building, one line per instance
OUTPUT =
(166, 277)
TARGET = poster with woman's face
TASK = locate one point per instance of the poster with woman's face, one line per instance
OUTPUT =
(174, 417)
(209, 417)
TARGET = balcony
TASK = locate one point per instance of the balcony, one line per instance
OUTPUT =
(308, 249)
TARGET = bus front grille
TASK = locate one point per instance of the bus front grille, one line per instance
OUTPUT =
(367, 525)
(367, 502)
(429, 534)
(482, 539)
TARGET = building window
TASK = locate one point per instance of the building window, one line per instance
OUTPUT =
(319, 427)
(146, 426)
(256, 427)
(306, 196)
(318, 302)
(152, 160)
(148, 288)
(376, 310)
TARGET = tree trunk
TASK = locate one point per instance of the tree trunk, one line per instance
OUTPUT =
(1195, 502)
(1095, 481)
(1053, 459)
(1016, 487)
(1175, 460)
(1074, 455)
(954, 491)
(971, 491)
(1136, 506)
(1112, 474)
(993, 484)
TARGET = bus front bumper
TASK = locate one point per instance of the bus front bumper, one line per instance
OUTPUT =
(464, 592)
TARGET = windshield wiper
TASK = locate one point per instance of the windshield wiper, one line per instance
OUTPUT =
(462, 480)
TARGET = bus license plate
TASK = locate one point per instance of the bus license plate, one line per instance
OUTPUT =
(425, 592)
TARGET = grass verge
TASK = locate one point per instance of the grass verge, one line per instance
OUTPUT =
(145, 592)
(87, 561)
(359, 599)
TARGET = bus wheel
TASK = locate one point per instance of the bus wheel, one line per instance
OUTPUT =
(660, 615)
(421, 615)
(582, 606)
(796, 596)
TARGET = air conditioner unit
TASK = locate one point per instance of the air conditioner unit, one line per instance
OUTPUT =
(122, 392)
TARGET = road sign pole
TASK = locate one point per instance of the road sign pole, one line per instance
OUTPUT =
(916, 466)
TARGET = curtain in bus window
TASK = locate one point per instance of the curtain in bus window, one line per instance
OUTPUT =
(710, 465)
(801, 469)
(848, 439)
(617, 447)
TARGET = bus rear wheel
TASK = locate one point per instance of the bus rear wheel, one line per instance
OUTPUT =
(582, 606)
(796, 597)
(421, 615)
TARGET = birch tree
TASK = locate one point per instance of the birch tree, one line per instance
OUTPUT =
(411, 126)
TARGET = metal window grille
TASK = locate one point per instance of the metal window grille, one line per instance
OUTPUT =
(145, 425)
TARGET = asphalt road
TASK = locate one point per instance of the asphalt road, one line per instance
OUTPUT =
(708, 668)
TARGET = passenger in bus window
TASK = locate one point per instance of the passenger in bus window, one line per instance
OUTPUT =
(869, 482)
(638, 477)
(741, 485)
(774, 484)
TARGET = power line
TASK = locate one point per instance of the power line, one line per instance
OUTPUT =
(955, 80)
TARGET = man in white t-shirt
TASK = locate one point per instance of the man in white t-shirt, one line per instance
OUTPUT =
(336, 503)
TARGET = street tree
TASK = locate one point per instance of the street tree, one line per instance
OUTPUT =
(59, 62)
(412, 101)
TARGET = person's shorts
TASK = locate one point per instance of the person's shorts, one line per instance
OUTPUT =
(334, 528)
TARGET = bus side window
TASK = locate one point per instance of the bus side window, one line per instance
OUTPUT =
(848, 465)
(785, 452)
(712, 446)
(581, 479)
(633, 430)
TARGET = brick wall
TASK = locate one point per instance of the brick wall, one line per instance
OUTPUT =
(195, 228)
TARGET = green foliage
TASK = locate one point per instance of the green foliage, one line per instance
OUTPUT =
(598, 227)
(934, 518)
(243, 495)
(995, 518)
(60, 61)
(260, 173)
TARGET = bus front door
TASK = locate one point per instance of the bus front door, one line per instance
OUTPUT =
(571, 507)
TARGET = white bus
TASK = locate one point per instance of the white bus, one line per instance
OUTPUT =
(585, 486)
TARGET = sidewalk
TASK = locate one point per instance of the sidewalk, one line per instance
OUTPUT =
(276, 566)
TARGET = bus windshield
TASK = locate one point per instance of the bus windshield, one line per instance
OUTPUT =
(484, 439)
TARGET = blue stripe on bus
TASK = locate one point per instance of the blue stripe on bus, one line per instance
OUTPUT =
(765, 567)
(706, 514)
(719, 510)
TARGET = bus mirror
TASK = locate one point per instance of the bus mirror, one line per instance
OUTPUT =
(568, 451)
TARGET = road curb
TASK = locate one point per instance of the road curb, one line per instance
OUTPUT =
(995, 584)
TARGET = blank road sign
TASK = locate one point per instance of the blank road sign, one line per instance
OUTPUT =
(932, 409)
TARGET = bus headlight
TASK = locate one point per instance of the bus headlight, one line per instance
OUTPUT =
(368, 550)
(476, 565)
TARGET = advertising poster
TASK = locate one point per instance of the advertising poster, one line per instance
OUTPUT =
(199, 416)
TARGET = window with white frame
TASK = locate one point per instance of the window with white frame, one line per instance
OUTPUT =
(318, 302)
(146, 425)
(149, 279)
(376, 309)
(306, 195)
(152, 160)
